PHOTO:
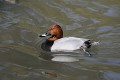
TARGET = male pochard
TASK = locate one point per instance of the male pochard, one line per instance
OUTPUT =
(56, 42)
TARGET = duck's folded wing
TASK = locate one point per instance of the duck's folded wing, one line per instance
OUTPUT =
(67, 44)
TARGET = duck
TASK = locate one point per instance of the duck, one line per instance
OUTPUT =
(56, 42)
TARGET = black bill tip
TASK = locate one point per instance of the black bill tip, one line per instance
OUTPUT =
(40, 36)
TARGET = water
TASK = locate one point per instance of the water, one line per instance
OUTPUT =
(21, 57)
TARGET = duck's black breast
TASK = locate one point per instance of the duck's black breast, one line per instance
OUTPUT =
(47, 45)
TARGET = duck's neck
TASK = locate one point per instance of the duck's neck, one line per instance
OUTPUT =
(47, 45)
(52, 38)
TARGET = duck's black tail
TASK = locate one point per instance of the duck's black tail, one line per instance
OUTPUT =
(89, 43)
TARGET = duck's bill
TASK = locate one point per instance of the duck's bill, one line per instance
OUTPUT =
(45, 35)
